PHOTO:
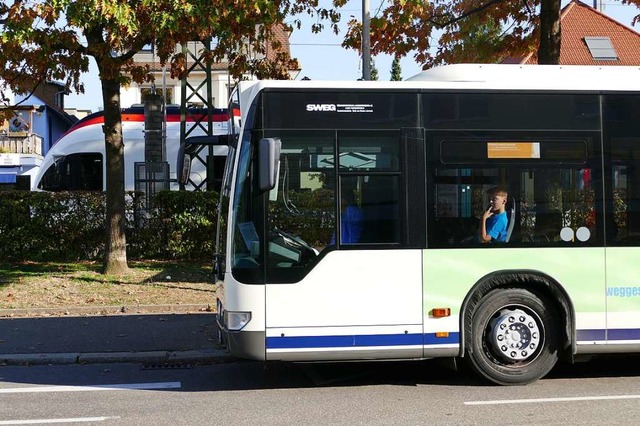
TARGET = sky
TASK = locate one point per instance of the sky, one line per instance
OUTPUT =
(322, 58)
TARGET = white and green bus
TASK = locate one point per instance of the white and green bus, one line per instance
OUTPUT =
(352, 209)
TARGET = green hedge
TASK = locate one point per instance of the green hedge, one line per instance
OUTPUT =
(70, 226)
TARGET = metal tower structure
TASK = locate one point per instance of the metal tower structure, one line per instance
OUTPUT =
(191, 95)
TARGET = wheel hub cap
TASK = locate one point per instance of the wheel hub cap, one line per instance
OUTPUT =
(515, 334)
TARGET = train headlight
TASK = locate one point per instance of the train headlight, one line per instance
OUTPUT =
(235, 321)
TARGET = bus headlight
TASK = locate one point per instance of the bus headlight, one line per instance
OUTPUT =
(235, 321)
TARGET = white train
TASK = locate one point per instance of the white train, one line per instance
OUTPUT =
(77, 160)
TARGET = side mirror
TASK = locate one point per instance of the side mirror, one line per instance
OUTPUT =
(189, 149)
(185, 171)
(218, 266)
(183, 166)
(268, 163)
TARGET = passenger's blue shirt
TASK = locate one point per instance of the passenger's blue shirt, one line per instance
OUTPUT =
(351, 224)
(497, 227)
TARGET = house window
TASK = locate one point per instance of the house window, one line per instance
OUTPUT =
(601, 48)
(20, 124)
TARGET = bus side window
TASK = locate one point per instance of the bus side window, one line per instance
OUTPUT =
(552, 204)
(369, 165)
(623, 199)
(380, 204)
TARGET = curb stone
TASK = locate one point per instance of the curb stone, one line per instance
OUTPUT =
(105, 310)
(156, 357)
(40, 359)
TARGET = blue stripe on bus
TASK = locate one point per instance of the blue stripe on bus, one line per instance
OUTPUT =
(299, 342)
(417, 339)
(624, 334)
(590, 335)
(610, 335)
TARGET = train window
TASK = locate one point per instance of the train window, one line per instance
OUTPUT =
(74, 172)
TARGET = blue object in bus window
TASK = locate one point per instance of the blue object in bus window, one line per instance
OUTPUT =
(7, 178)
(497, 227)
(351, 226)
(351, 223)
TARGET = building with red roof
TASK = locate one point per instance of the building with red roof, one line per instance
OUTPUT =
(590, 37)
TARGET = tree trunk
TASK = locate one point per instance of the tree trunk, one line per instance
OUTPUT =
(550, 33)
(115, 260)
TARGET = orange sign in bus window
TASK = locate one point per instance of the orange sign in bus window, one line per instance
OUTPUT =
(513, 149)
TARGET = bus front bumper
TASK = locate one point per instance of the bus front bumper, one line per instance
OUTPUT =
(241, 344)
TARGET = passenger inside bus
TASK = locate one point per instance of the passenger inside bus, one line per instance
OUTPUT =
(350, 220)
(494, 222)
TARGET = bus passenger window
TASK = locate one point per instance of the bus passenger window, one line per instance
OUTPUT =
(369, 173)
(625, 226)
(351, 214)
(459, 200)
(557, 206)
(623, 199)
(380, 205)
(378, 151)
(552, 206)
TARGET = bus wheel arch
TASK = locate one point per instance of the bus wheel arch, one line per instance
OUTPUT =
(537, 305)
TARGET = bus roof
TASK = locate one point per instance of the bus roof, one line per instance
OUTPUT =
(474, 77)
(491, 77)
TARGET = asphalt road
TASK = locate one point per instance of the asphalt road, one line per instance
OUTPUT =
(605, 391)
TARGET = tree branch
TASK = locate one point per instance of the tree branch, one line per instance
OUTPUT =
(470, 12)
(134, 49)
(5, 9)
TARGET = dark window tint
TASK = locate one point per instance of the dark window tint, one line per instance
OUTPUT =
(380, 201)
(622, 132)
(511, 111)
(369, 151)
(74, 172)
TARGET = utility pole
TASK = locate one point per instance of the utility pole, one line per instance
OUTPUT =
(366, 41)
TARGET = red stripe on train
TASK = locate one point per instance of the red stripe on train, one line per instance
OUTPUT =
(139, 118)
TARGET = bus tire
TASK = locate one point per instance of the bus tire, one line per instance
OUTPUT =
(514, 337)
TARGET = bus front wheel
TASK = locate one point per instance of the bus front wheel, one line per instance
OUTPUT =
(514, 337)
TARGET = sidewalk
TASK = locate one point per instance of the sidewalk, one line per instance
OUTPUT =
(141, 338)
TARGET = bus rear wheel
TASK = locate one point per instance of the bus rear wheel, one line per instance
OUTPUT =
(514, 337)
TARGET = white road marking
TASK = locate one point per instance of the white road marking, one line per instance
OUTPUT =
(51, 421)
(544, 400)
(117, 387)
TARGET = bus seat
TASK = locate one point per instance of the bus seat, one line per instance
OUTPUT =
(512, 219)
